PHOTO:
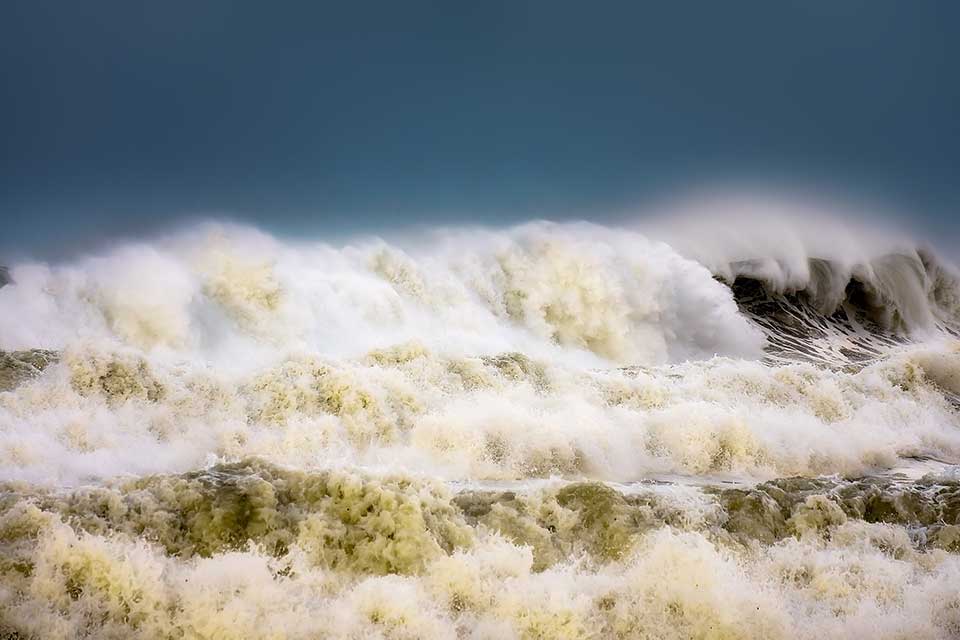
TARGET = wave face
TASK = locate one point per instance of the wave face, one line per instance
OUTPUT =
(551, 431)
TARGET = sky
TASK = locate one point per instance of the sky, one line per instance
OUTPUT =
(119, 118)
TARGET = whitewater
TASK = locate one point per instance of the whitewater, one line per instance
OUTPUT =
(736, 429)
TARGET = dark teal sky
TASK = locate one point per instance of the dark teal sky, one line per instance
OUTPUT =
(120, 117)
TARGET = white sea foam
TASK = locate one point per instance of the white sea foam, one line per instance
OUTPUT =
(519, 357)
(541, 289)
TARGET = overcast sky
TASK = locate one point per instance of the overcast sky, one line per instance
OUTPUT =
(323, 118)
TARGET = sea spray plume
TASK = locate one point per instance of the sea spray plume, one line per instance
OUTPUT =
(816, 249)
(823, 288)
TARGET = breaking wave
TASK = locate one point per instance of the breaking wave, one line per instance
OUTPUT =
(551, 431)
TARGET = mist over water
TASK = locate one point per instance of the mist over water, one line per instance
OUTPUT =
(742, 423)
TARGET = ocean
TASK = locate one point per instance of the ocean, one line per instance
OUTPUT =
(556, 430)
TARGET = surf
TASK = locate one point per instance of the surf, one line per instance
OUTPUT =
(552, 430)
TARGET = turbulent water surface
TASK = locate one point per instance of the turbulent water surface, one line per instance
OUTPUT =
(552, 431)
